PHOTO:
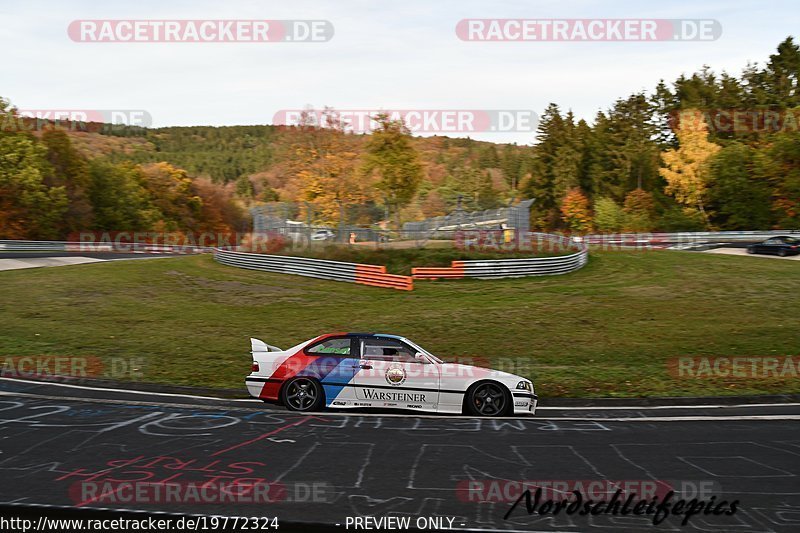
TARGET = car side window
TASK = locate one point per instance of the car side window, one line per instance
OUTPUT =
(392, 350)
(338, 346)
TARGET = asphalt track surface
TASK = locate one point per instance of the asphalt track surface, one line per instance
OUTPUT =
(94, 255)
(26, 260)
(729, 250)
(55, 438)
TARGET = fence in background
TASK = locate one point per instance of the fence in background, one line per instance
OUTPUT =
(279, 217)
(374, 275)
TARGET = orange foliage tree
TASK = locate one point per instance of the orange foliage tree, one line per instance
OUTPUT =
(575, 210)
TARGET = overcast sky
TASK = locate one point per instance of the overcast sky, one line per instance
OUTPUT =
(384, 55)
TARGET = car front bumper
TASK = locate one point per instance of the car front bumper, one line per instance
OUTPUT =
(525, 403)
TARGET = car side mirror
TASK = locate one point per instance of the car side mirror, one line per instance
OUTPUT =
(419, 356)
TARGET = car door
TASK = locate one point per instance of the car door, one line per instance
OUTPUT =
(765, 247)
(391, 376)
(777, 245)
(334, 361)
(770, 246)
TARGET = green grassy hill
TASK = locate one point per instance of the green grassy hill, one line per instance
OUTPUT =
(607, 330)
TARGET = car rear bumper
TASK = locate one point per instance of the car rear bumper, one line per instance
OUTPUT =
(262, 388)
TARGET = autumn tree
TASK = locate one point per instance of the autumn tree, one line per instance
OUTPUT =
(119, 197)
(69, 169)
(608, 215)
(433, 205)
(639, 211)
(218, 210)
(169, 190)
(326, 171)
(393, 161)
(29, 209)
(575, 211)
(778, 165)
(685, 168)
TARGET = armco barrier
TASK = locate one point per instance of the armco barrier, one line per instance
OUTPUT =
(376, 276)
(506, 268)
(373, 275)
(453, 272)
(93, 247)
(33, 246)
(512, 268)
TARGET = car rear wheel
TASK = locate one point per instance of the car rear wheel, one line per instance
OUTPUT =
(303, 394)
(782, 252)
(488, 399)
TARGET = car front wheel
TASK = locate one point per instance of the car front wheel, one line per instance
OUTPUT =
(488, 399)
(303, 395)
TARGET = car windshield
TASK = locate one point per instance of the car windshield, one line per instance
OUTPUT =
(423, 350)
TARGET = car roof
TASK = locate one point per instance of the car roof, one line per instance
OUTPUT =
(372, 334)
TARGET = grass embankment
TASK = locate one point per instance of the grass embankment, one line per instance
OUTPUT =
(606, 330)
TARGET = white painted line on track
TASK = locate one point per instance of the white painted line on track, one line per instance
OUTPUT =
(700, 406)
(702, 418)
(199, 407)
(545, 408)
(677, 418)
(127, 391)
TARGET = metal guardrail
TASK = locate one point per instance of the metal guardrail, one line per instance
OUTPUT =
(25, 246)
(512, 268)
(374, 275)
(119, 247)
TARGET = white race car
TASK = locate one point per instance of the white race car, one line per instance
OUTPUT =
(357, 370)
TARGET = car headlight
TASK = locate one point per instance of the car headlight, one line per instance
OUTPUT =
(525, 385)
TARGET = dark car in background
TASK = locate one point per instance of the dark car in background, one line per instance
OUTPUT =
(781, 246)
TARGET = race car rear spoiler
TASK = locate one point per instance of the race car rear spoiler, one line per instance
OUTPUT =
(261, 346)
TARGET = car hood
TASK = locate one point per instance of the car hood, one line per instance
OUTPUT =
(459, 370)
